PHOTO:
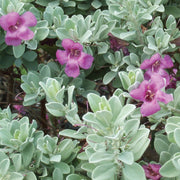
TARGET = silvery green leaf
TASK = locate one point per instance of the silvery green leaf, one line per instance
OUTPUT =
(65, 168)
(70, 94)
(29, 56)
(124, 79)
(177, 136)
(89, 167)
(164, 157)
(94, 101)
(131, 126)
(161, 143)
(125, 111)
(104, 117)
(45, 71)
(102, 47)
(32, 44)
(4, 166)
(126, 157)
(41, 33)
(96, 141)
(96, 4)
(66, 147)
(128, 36)
(99, 157)
(57, 174)
(18, 51)
(104, 171)
(85, 36)
(74, 177)
(152, 43)
(62, 33)
(169, 170)
(27, 154)
(55, 158)
(42, 23)
(31, 176)
(116, 107)
(71, 133)
(171, 22)
(56, 109)
(16, 176)
(133, 172)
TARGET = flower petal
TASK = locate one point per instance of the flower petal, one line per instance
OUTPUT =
(24, 33)
(85, 60)
(163, 97)
(149, 108)
(147, 63)
(67, 44)
(9, 20)
(12, 39)
(167, 62)
(29, 19)
(156, 82)
(61, 56)
(140, 92)
(72, 69)
(165, 75)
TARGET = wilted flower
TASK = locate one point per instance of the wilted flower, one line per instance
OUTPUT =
(17, 27)
(19, 107)
(152, 171)
(116, 44)
(173, 79)
(149, 91)
(157, 64)
(73, 57)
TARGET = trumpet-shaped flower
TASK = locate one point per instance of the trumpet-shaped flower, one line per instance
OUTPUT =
(17, 27)
(149, 91)
(157, 64)
(73, 57)
(152, 171)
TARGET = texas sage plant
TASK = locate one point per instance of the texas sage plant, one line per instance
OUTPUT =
(89, 90)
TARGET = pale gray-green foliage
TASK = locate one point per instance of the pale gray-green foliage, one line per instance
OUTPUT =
(27, 154)
(115, 139)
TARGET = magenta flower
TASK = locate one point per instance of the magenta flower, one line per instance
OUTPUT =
(73, 57)
(149, 91)
(17, 27)
(157, 64)
(152, 171)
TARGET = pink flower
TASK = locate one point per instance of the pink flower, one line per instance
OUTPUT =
(149, 91)
(152, 171)
(73, 57)
(157, 64)
(17, 27)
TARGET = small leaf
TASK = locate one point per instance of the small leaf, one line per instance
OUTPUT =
(4, 166)
(41, 33)
(104, 172)
(168, 170)
(30, 56)
(126, 157)
(18, 51)
(133, 172)
(94, 101)
(57, 174)
(109, 77)
(56, 109)
(71, 133)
